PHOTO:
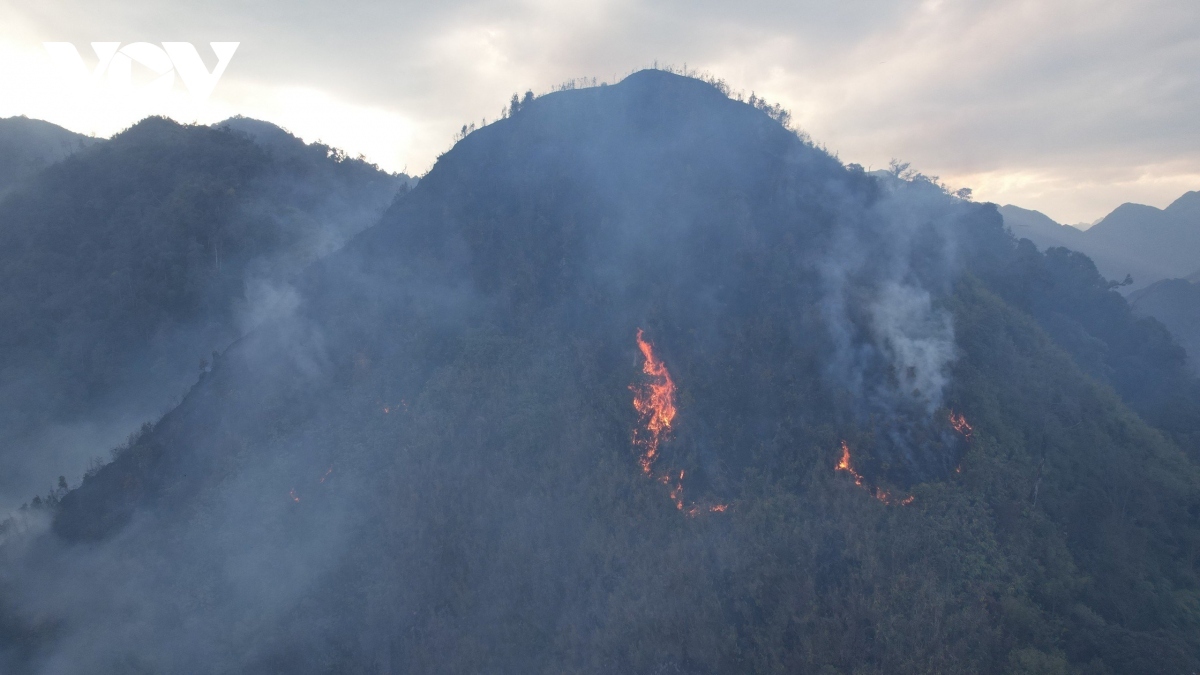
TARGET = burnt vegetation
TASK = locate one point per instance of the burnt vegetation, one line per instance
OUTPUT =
(431, 464)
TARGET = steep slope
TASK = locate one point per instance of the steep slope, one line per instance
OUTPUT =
(1141, 241)
(1039, 228)
(129, 262)
(28, 146)
(1186, 208)
(1175, 303)
(849, 451)
(1165, 240)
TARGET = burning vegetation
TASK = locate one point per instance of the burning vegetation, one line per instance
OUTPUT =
(845, 464)
(655, 404)
(961, 425)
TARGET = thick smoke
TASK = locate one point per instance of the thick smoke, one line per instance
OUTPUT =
(292, 456)
(893, 344)
(917, 339)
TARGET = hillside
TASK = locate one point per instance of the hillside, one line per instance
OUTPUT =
(1176, 303)
(636, 380)
(1142, 241)
(126, 264)
(1039, 228)
(28, 146)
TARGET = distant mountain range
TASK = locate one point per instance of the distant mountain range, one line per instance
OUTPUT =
(1159, 249)
(1144, 242)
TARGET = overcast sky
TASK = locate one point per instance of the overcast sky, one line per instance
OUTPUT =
(1070, 107)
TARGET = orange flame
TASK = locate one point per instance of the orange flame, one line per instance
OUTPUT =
(845, 465)
(961, 425)
(655, 402)
(877, 492)
(677, 492)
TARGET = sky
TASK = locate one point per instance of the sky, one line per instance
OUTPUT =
(1070, 107)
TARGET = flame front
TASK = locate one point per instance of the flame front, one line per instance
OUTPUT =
(961, 425)
(844, 464)
(655, 402)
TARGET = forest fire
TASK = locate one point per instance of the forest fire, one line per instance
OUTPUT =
(677, 492)
(960, 424)
(844, 464)
(655, 402)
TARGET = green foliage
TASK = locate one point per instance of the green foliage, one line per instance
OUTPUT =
(453, 488)
(125, 263)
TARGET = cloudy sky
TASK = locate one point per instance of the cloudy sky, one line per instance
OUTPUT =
(1067, 106)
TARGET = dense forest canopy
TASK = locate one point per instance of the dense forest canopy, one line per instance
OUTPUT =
(126, 263)
(937, 449)
(28, 146)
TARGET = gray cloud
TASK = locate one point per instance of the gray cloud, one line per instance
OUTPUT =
(1071, 107)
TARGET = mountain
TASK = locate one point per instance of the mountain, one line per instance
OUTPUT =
(127, 263)
(1175, 303)
(27, 146)
(1148, 243)
(283, 144)
(637, 380)
(1039, 228)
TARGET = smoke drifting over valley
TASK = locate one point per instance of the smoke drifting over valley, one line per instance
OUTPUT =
(128, 263)
(425, 447)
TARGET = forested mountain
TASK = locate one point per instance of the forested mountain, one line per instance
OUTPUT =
(1176, 303)
(1141, 241)
(1040, 229)
(637, 380)
(127, 263)
(27, 146)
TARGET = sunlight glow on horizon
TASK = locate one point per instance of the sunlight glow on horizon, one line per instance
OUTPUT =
(869, 85)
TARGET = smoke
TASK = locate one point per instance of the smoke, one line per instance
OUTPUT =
(304, 202)
(893, 346)
(265, 300)
(393, 462)
(916, 339)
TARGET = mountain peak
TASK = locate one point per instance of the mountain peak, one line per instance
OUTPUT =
(1187, 207)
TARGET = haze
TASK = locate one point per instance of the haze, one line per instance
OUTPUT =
(1070, 108)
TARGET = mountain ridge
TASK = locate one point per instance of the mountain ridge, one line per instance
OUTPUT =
(431, 463)
(128, 262)
(29, 145)
(1143, 241)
